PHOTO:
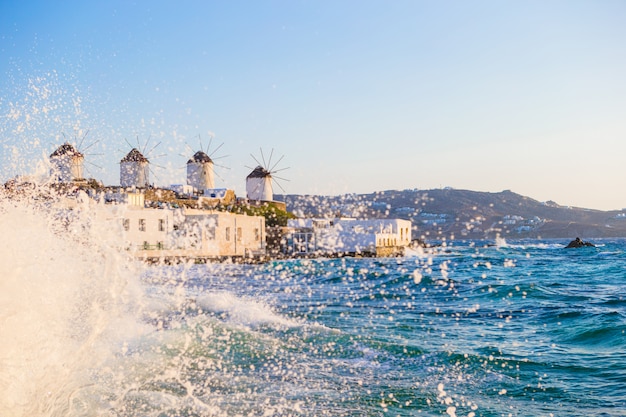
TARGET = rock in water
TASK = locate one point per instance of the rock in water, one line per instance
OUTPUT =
(579, 243)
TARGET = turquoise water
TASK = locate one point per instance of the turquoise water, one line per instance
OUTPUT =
(519, 329)
(527, 329)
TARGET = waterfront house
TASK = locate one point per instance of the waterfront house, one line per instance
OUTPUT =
(347, 236)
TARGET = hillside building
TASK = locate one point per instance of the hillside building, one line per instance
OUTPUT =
(170, 234)
(341, 237)
(207, 234)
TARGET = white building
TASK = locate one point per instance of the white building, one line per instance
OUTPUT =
(134, 170)
(214, 234)
(142, 229)
(67, 163)
(376, 237)
(259, 185)
(181, 233)
(200, 173)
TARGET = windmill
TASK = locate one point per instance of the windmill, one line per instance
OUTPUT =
(200, 168)
(67, 161)
(260, 182)
(135, 167)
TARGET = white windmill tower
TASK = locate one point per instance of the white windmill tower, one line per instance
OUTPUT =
(200, 174)
(134, 170)
(259, 183)
(201, 168)
(67, 163)
(135, 167)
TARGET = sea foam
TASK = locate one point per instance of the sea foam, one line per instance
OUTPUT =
(68, 303)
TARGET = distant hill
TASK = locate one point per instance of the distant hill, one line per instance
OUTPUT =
(466, 214)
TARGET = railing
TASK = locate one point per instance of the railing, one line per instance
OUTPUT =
(147, 246)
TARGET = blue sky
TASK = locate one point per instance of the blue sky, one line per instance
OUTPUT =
(359, 96)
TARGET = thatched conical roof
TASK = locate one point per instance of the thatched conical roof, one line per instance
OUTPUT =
(199, 157)
(65, 150)
(134, 156)
(259, 172)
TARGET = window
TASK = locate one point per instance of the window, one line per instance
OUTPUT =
(257, 235)
(142, 225)
(239, 234)
(228, 233)
(126, 224)
(161, 225)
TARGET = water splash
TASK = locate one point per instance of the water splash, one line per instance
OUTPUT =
(68, 303)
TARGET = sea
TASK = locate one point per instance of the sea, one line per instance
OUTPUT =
(466, 328)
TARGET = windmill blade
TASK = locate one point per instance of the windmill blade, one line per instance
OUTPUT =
(89, 171)
(219, 176)
(158, 166)
(269, 161)
(91, 163)
(209, 145)
(93, 143)
(200, 142)
(82, 140)
(220, 157)
(80, 145)
(131, 146)
(156, 177)
(281, 178)
(221, 166)
(280, 170)
(216, 149)
(257, 161)
(279, 186)
(153, 148)
(276, 164)
(146, 145)
(189, 148)
(263, 157)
